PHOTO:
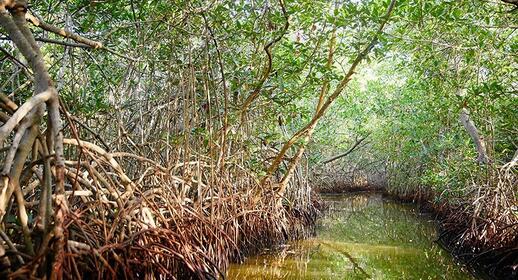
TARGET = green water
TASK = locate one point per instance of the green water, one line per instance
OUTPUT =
(361, 236)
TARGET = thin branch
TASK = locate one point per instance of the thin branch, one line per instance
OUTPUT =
(350, 150)
(268, 67)
(23, 111)
(11, 246)
(307, 130)
(53, 41)
(38, 21)
(11, 57)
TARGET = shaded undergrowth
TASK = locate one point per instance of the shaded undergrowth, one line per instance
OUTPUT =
(187, 244)
(159, 224)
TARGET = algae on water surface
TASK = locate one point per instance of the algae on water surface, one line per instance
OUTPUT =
(361, 236)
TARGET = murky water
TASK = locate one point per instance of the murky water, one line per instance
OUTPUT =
(362, 236)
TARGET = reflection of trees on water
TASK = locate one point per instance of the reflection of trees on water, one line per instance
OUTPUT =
(359, 237)
(368, 218)
(286, 262)
(354, 202)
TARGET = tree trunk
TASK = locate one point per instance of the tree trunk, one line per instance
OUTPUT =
(480, 144)
(323, 105)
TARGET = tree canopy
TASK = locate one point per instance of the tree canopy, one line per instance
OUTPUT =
(125, 123)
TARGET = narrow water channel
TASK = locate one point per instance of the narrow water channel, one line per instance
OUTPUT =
(361, 236)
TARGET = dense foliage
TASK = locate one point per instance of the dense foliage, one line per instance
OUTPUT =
(220, 116)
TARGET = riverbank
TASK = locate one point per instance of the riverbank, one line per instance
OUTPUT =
(486, 260)
(197, 246)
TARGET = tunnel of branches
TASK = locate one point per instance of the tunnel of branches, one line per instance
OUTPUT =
(148, 139)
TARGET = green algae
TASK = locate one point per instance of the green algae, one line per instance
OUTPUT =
(361, 236)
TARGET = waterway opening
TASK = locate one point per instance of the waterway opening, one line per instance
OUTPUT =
(360, 236)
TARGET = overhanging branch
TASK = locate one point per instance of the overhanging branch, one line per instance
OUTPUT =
(37, 21)
(350, 150)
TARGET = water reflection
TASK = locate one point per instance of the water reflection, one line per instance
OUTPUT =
(362, 236)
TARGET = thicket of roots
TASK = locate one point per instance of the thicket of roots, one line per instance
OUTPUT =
(175, 193)
(482, 230)
(479, 227)
(159, 224)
